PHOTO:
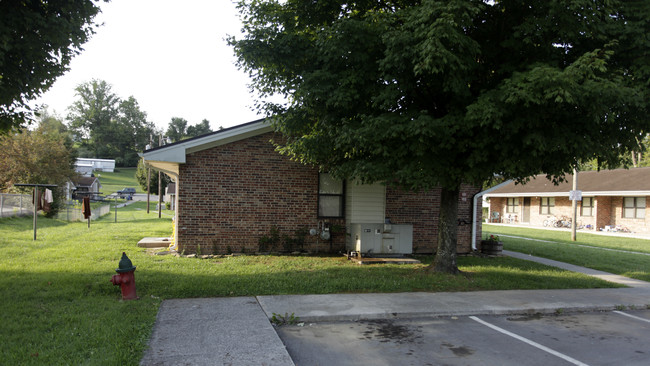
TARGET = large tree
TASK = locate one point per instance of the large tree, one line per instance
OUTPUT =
(42, 156)
(93, 117)
(108, 127)
(435, 93)
(178, 129)
(132, 132)
(38, 38)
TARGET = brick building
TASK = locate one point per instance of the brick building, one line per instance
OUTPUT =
(235, 193)
(611, 200)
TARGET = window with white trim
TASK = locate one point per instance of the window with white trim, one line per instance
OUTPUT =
(587, 206)
(512, 204)
(634, 207)
(546, 205)
(330, 196)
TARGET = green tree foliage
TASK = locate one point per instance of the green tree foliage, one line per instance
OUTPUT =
(53, 125)
(199, 129)
(424, 94)
(37, 41)
(108, 127)
(639, 156)
(141, 175)
(132, 132)
(92, 117)
(42, 156)
(178, 129)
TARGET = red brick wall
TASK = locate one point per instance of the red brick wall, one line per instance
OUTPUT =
(497, 204)
(422, 211)
(230, 196)
(418, 209)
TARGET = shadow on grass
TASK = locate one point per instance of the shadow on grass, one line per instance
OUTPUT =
(23, 223)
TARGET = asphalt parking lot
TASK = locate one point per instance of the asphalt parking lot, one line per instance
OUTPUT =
(598, 338)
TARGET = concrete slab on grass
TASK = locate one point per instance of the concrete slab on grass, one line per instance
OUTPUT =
(215, 331)
(154, 242)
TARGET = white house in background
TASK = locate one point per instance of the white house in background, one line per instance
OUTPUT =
(86, 186)
(85, 166)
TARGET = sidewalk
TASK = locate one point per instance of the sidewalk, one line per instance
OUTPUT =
(313, 308)
(237, 331)
(635, 235)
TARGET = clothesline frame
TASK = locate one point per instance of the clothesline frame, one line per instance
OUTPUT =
(36, 186)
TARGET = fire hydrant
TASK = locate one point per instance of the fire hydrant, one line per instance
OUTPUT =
(125, 278)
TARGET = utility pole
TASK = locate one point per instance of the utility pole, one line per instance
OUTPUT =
(574, 204)
(148, 174)
(159, 183)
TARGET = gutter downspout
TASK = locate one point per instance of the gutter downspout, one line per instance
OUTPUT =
(475, 210)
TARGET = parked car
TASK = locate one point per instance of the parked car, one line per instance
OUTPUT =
(126, 193)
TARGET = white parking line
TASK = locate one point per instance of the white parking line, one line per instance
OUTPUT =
(632, 316)
(528, 341)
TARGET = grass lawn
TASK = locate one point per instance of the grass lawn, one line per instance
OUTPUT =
(60, 308)
(120, 179)
(587, 251)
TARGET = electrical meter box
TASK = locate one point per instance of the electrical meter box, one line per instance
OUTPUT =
(368, 239)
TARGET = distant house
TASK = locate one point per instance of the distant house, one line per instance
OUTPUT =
(170, 195)
(83, 168)
(86, 186)
(233, 190)
(86, 166)
(611, 200)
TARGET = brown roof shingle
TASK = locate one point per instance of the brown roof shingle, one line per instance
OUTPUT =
(618, 180)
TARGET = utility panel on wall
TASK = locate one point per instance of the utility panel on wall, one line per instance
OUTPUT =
(382, 239)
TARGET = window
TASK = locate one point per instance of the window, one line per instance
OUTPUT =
(546, 205)
(330, 196)
(512, 204)
(634, 207)
(587, 206)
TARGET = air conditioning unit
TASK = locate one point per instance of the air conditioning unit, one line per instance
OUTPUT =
(381, 239)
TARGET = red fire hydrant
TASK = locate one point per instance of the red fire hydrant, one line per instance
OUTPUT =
(125, 278)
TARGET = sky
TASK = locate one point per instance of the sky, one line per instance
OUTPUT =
(171, 56)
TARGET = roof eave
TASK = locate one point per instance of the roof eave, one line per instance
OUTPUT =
(168, 158)
(566, 194)
(176, 152)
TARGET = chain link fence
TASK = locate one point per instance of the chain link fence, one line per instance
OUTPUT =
(72, 212)
(15, 204)
(21, 204)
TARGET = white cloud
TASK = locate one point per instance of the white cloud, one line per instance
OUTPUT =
(170, 55)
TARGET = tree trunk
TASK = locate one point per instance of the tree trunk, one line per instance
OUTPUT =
(445, 259)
